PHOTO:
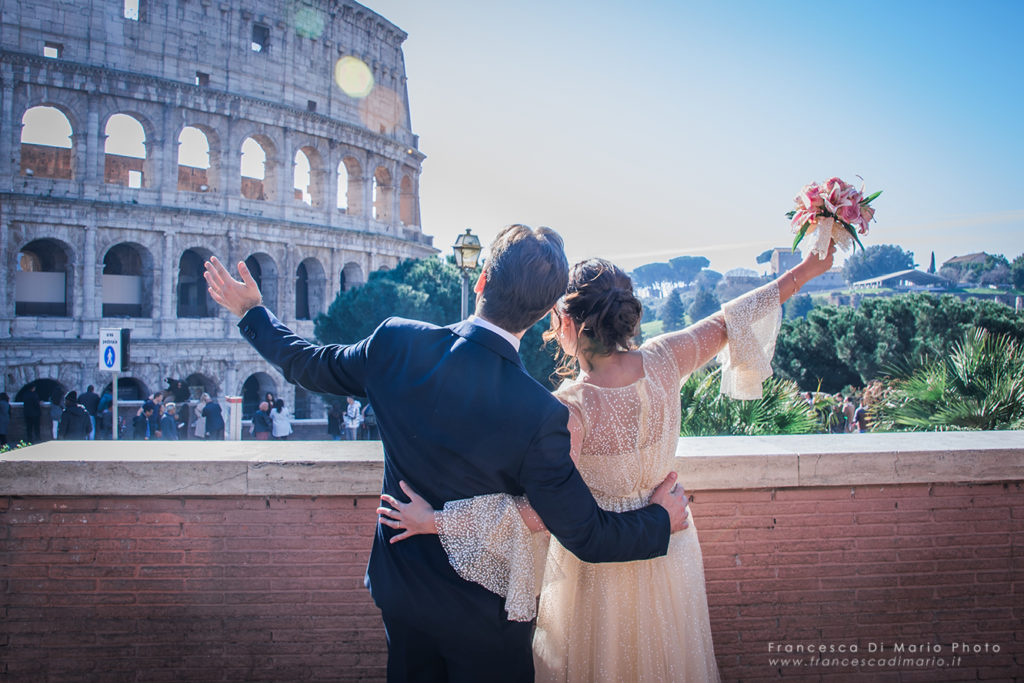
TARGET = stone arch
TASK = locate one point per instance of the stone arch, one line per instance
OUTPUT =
(47, 142)
(352, 276)
(254, 388)
(128, 389)
(125, 157)
(198, 382)
(193, 299)
(264, 270)
(407, 202)
(383, 191)
(127, 281)
(44, 279)
(309, 176)
(350, 185)
(258, 167)
(310, 289)
(46, 389)
(198, 149)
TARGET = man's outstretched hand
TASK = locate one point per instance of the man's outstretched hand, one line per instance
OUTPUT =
(237, 297)
(672, 497)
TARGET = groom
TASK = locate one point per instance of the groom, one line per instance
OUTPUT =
(459, 417)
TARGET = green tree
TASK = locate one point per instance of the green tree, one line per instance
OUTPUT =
(979, 385)
(423, 289)
(687, 267)
(798, 306)
(708, 279)
(765, 256)
(780, 410)
(1017, 272)
(653, 274)
(705, 303)
(673, 314)
(878, 259)
(841, 346)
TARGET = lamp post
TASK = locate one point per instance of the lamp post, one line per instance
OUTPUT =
(467, 255)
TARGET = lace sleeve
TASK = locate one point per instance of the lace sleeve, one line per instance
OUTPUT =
(690, 349)
(488, 543)
(753, 321)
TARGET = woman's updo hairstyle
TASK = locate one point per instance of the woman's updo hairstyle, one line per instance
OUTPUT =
(600, 300)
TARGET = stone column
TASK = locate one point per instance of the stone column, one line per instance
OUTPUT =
(285, 169)
(94, 147)
(10, 138)
(8, 274)
(92, 293)
(286, 286)
(168, 291)
(330, 206)
(167, 162)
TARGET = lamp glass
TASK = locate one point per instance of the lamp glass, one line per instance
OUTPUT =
(467, 250)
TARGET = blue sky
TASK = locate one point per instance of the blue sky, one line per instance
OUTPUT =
(646, 131)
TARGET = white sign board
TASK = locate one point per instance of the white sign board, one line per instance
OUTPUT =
(110, 349)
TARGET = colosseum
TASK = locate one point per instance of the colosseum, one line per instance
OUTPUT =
(141, 137)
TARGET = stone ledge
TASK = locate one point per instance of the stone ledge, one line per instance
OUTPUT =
(320, 468)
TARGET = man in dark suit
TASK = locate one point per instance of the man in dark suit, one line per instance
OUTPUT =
(460, 417)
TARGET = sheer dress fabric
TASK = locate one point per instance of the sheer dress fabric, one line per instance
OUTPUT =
(625, 621)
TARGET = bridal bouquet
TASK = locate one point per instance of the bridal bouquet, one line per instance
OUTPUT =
(834, 210)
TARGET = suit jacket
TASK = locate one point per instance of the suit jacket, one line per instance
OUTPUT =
(459, 417)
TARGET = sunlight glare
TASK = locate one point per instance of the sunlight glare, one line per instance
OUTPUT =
(353, 76)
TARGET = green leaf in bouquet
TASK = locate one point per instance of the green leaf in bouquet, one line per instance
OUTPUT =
(870, 198)
(790, 214)
(800, 235)
(853, 232)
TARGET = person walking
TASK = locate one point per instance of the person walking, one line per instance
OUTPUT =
(281, 424)
(74, 422)
(198, 427)
(90, 400)
(31, 412)
(261, 424)
(334, 417)
(214, 419)
(370, 431)
(5, 417)
(169, 423)
(353, 418)
(57, 412)
(142, 423)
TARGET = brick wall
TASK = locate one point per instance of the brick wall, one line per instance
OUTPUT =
(187, 589)
(46, 161)
(249, 587)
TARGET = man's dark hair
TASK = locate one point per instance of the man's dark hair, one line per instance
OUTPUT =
(525, 273)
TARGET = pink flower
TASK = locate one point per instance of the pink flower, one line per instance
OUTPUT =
(849, 212)
(810, 197)
(867, 214)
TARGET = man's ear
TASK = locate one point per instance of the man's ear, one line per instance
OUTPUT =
(481, 282)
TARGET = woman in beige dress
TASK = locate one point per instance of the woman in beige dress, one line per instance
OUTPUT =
(626, 621)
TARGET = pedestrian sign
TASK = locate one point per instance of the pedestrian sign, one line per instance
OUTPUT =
(114, 349)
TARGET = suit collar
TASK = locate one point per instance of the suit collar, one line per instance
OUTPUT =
(491, 340)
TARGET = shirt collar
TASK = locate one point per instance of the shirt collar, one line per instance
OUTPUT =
(488, 325)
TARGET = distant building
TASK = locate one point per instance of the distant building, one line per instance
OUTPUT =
(833, 279)
(904, 279)
(967, 259)
(784, 258)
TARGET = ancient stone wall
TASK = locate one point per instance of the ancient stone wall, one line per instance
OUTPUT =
(232, 75)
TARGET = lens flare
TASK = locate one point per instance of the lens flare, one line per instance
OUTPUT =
(308, 22)
(353, 76)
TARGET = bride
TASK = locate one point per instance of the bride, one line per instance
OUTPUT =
(645, 620)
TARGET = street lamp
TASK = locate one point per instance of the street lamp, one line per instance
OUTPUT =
(467, 255)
